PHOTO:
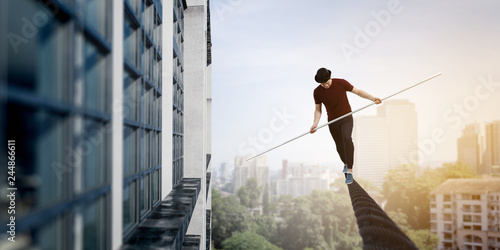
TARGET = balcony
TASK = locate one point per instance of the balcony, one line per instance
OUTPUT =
(167, 225)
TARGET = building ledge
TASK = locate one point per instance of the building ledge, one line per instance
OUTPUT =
(166, 227)
(191, 242)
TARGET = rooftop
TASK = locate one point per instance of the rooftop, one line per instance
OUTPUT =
(471, 186)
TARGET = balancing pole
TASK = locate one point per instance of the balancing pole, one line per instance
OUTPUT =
(348, 114)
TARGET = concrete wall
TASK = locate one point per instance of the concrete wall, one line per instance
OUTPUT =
(195, 109)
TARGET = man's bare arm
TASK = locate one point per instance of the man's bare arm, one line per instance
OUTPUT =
(365, 95)
(317, 116)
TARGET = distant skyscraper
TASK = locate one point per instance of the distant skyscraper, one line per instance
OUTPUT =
(257, 168)
(479, 147)
(384, 141)
(493, 146)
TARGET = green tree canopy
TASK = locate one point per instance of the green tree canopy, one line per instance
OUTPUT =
(267, 227)
(248, 240)
(229, 217)
(321, 220)
(250, 193)
(424, 239)
(407, 189)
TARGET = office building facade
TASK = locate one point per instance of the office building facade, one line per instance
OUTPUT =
(96, 96)
(465, 213)
(384, 141)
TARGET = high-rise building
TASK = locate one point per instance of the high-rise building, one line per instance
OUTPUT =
(479, 147)
(257, 168)
(384, 141)
(492, 154)
(465, 213)
(108, 106)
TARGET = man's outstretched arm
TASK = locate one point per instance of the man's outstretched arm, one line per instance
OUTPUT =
(365, 95)
(317, 116)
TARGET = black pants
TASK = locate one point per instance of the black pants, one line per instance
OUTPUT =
(341, 132)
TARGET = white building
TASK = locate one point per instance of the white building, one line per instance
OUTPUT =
(257, 168)
(465, 213)
(384, 141)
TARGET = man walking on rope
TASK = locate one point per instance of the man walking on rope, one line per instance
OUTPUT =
(332, 93)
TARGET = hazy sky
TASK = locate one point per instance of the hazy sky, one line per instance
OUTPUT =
(266, 52)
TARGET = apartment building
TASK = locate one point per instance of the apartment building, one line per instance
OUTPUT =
(465, 213)
(108, 103)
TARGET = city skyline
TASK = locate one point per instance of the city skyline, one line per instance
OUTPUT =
(267, 90)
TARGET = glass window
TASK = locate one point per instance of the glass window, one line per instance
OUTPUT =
(94, 225)
(38, 65)
(446, 198)
(467, 218)
(129, 150)
(93, 146)
(156, 186)
(130, 92)
(134, 4)
(95, 78)
(144, 149)
(143, 59)
(95, 13)
(51, 235)
(130, 42)
(129, 206)
(144, 195)
(144, 102)
(41, 154)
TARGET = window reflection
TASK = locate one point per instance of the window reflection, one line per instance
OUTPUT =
(129, 206)
(95, 15)
(94, 227)
(93, 146)
(95, 78)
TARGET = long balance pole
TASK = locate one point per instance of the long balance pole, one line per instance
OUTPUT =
(348, 114)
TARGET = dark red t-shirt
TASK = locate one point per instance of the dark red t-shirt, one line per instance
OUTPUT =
(334, 98)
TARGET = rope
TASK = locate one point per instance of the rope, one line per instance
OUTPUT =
(375, 227)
